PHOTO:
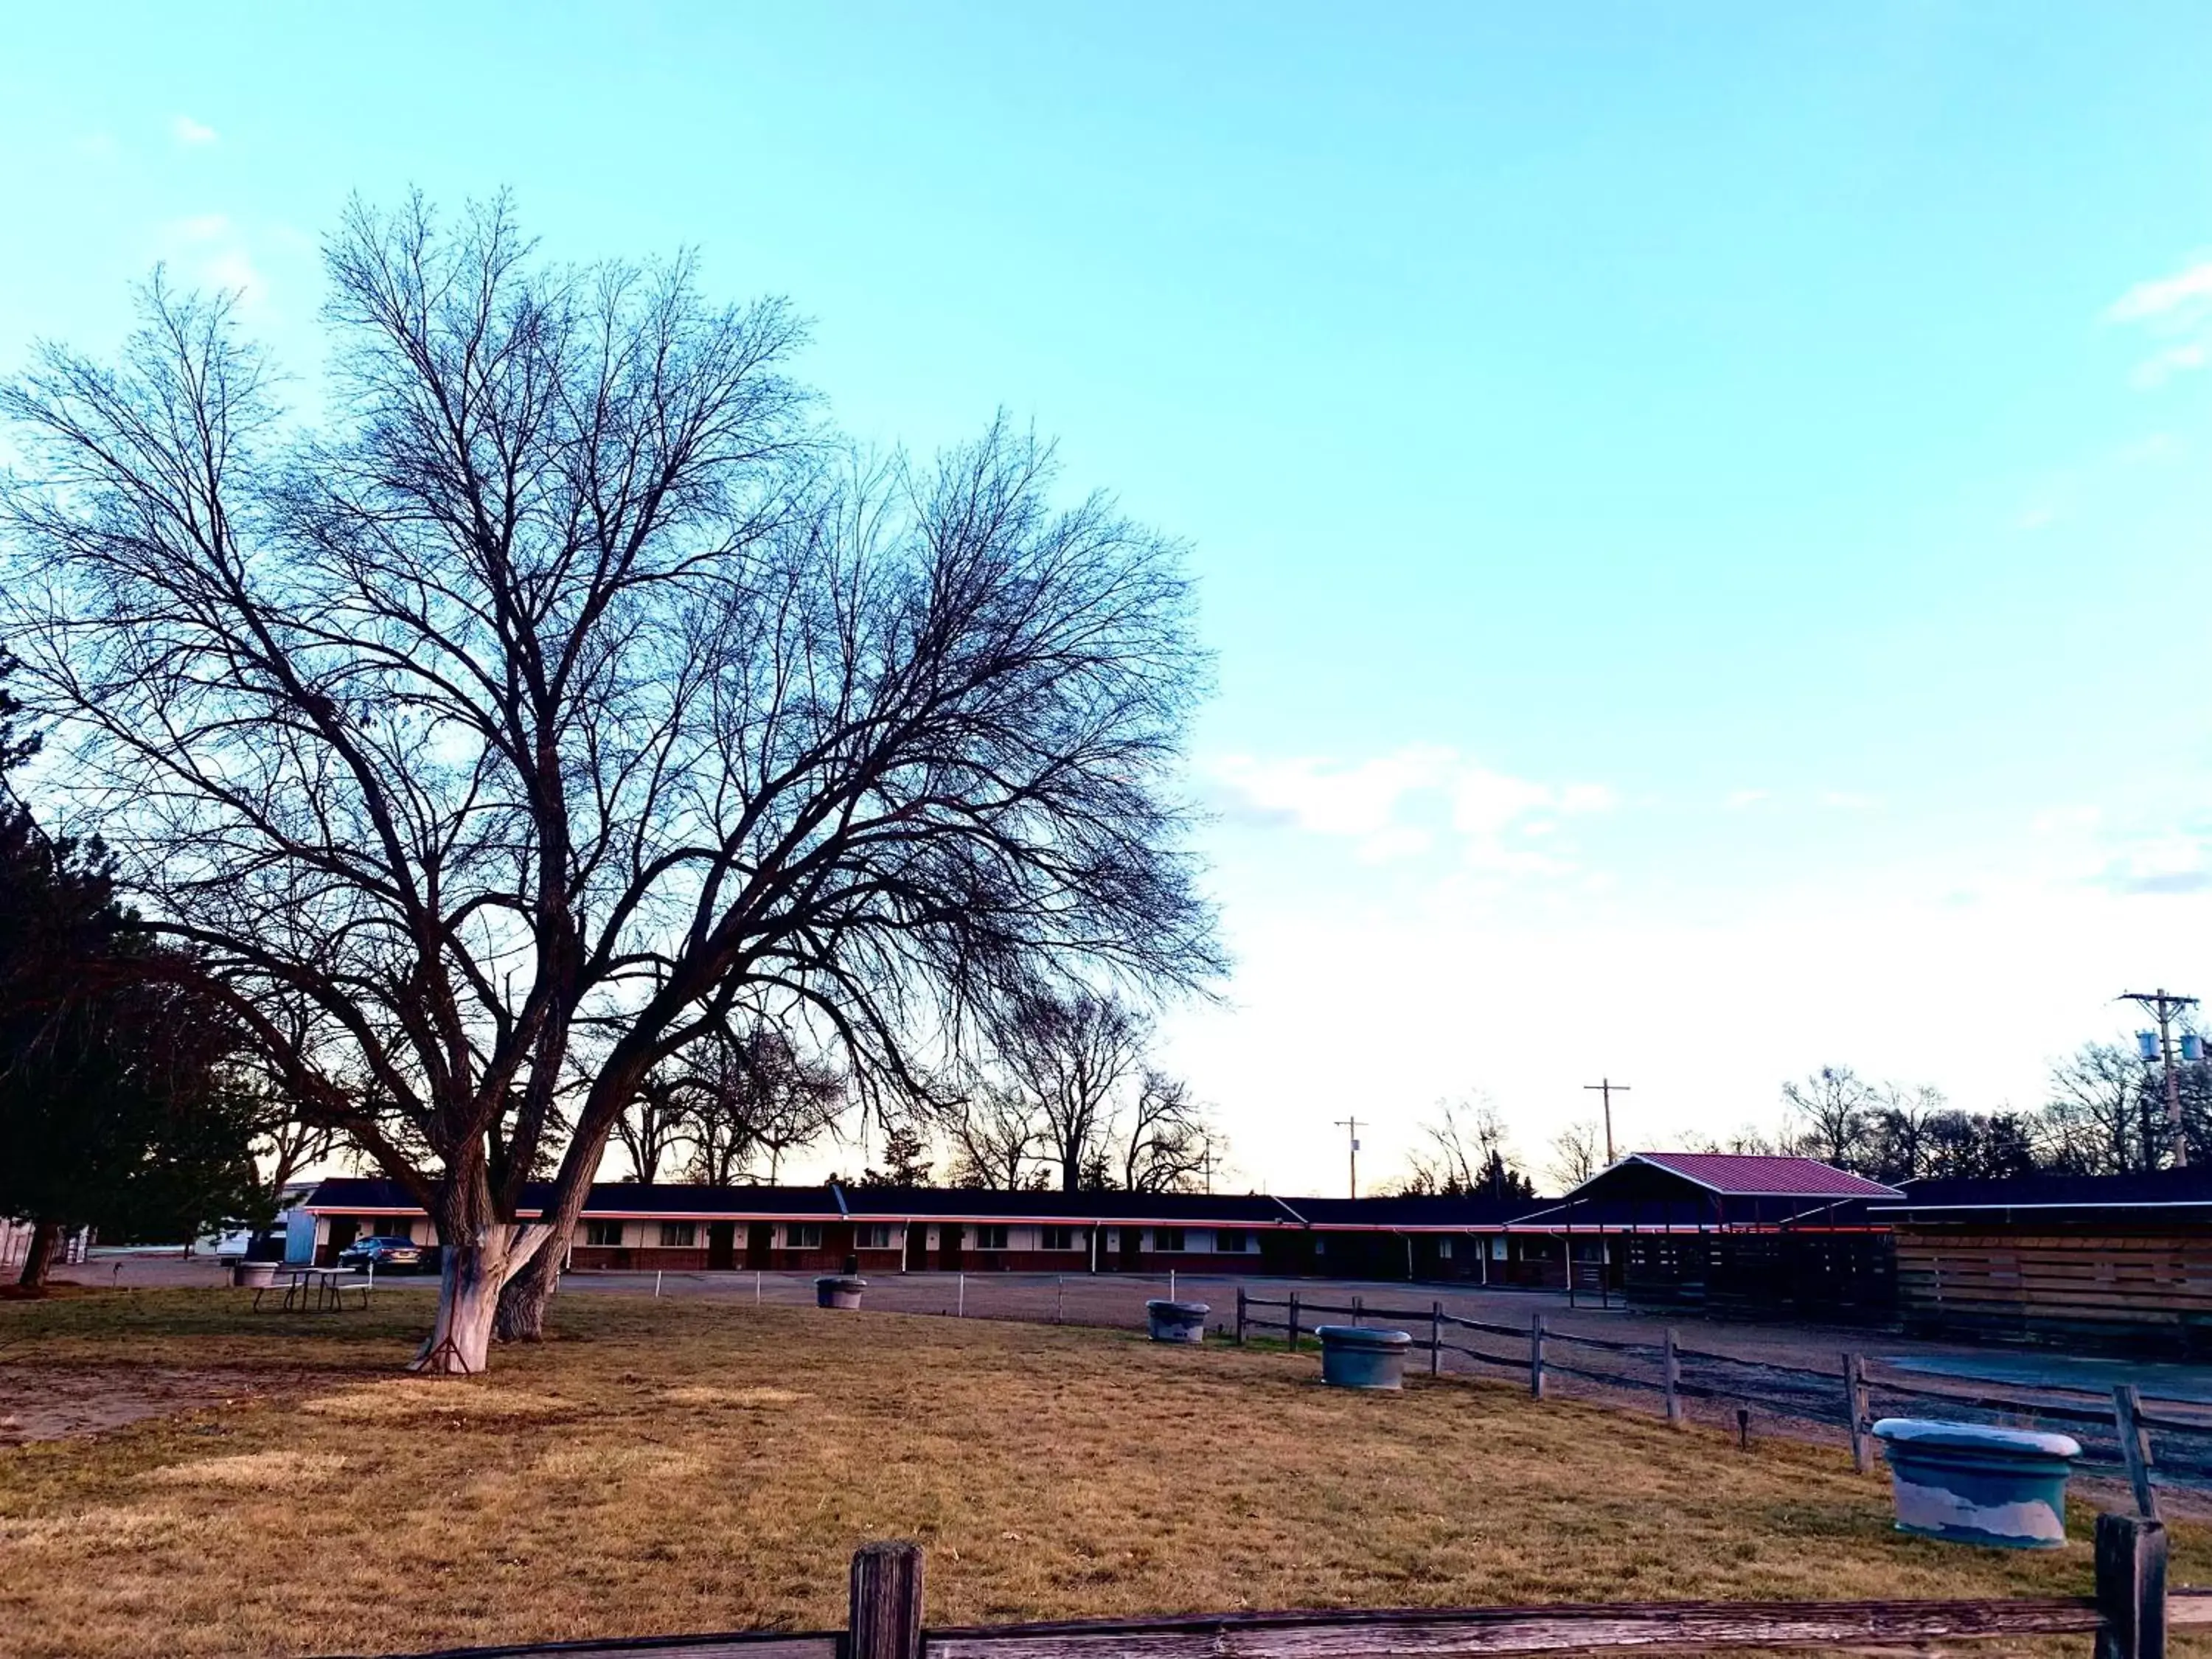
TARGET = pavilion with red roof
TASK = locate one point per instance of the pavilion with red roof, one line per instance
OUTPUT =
(1748, 1233)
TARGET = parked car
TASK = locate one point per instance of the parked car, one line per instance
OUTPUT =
(386, 1254)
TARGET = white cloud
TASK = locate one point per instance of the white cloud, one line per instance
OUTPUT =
(1848, 800)
(1403, 805)
(2163, 295)
(1739, 798)
(212, 252)
(186, 130)
(2176, 309)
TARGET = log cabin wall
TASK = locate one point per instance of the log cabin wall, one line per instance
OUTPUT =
(2143, 1289)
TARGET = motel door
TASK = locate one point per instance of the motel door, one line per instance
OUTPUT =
(721, 1246)
(949, 1239)
(343, 1230)
(1133, 1249)
(760, 1242)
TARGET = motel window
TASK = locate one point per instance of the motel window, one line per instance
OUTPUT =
(679, 1235)
(990, 1238)
(1060, 1238)
(1497, 1248)
(802, 1236)
(604, 1233)
(1232, 1241)
(1167, 1238)
(1443, 1249)
(875, 1236)
(1321, 1244)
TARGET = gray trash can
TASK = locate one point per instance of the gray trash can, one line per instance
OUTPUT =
(838, 1290)
(1177, 1321)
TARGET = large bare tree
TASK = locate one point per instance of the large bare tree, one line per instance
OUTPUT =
(1072, 1052)
(553, 684)
(1171, 1143)
(742, 1093)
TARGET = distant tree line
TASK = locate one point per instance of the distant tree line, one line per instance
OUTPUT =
(2104, 1113)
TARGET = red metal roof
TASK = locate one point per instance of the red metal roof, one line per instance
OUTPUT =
(1749, 1175)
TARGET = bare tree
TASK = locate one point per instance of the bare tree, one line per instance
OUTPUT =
(2103, 1113)
(1170, 1145)
(545, 692)
(651, 1126)
(1577, 1153)
(1464, 1150)
(1072, 1052)
(747, 1092)
(1833, 1108)
(1901, 1131)
(999, 1137)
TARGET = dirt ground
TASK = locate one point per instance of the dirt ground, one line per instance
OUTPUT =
(700, 1464)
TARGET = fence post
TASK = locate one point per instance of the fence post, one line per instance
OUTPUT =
(1535, 1356)
(2135, 1447)
(1436, 1337)
(885, 1618)
(1060, 1299)
(1294, 1322)
(1672, 1378)
(1358, 1317)
(2130, 1586)
(1240, 1315)
(1855, 1408)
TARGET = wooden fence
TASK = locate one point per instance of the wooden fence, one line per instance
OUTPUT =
(1843, 1397)
(2127, 1617)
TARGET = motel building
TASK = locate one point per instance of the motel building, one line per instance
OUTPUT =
(673, 1227)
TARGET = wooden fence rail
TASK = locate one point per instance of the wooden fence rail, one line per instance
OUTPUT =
(2127, 1617)
(1843, 1397)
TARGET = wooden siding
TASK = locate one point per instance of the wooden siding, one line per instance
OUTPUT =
(2142, 1290)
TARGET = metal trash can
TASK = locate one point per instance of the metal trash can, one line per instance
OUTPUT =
(1177, 1321)
(1969, 1483)
(838, 1290)
(1354, 1357)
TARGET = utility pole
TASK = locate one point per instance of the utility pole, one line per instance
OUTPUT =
(1351, 1127)
(1608, 1088)
(2163, 1005)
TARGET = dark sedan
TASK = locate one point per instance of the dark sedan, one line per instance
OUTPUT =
(383, 1253)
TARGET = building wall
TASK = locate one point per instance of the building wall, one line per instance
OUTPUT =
(2125, 1290)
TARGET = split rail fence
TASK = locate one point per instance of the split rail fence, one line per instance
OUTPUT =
(1843, 1397)
(2128, 1618)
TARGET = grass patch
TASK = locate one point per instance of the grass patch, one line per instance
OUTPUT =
(680, 1466)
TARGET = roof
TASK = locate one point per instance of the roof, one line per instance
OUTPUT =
(1746, 1174)
(1424, 1212)
(359, 1195)
(372, 1194)
(2164, 1192)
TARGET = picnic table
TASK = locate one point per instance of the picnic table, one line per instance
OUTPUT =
(315, 1289)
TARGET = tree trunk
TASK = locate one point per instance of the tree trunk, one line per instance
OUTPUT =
(523, 1298)
(45, 1235)
(470, 1280)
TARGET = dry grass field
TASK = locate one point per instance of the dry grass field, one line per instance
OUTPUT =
(677, 1465)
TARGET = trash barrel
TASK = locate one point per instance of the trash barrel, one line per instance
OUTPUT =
(1973, 1484)
(1355, 1356)
(1177, 1321)
(838, 1290)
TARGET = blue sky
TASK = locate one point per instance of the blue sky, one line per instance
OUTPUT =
(1702, 514)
